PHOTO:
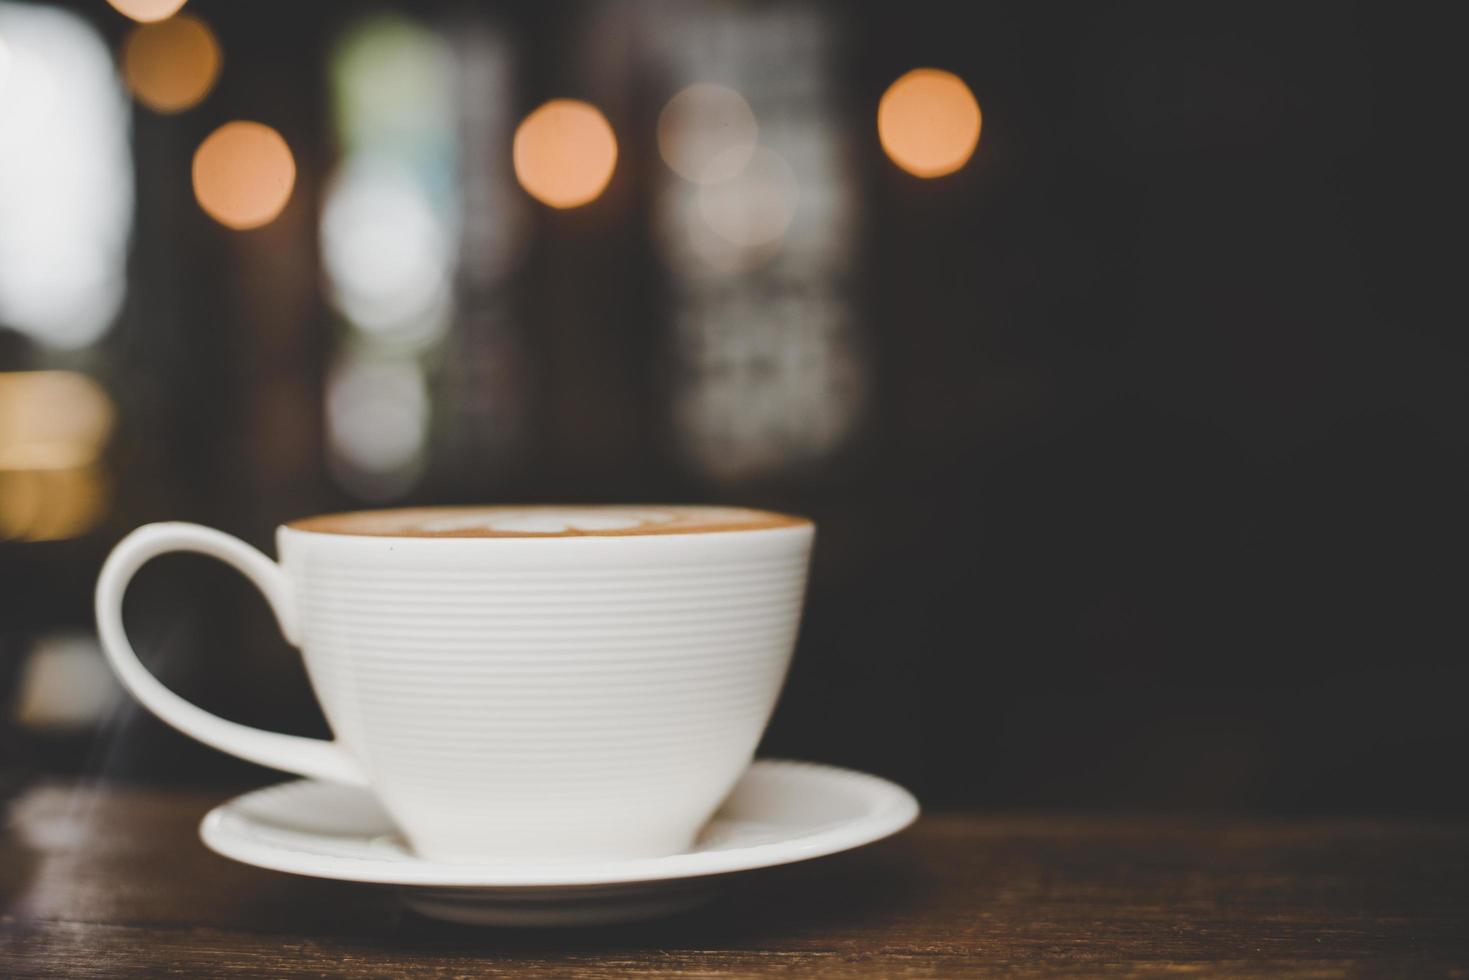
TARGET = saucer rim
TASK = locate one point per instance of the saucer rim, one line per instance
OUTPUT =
(892, 809)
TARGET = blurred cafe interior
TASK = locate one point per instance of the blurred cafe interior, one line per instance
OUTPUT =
(1086, 334)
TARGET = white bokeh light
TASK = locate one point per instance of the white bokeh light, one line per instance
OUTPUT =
(707, 133)
(66, 179)
(377, 414)
(388, 257)
(701, 252)
(4, 64)
(65, 684)
(755, 207)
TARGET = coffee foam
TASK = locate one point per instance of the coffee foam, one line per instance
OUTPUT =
(545, 521)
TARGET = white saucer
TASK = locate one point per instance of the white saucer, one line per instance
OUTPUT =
(779, 812)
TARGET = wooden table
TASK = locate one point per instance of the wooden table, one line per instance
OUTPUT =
(102, 883)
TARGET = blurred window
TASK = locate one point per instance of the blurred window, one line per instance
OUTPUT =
(756, 221)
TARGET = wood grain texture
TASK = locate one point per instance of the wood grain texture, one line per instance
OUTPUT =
(113, 882)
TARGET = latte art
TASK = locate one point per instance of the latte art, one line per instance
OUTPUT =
(547, 521)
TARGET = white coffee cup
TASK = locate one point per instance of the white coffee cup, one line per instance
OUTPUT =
(514, 683)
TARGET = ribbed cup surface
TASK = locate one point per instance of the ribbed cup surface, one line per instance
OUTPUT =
(535, 698)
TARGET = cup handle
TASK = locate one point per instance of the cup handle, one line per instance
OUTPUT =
(313, 757)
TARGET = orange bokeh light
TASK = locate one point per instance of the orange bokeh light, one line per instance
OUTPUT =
(564, 153)
(171, 65)
(928, 122)
(243, 174)
(147, 11)
(51, 504)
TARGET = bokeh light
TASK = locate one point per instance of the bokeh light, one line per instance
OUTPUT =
(392, 85)
(928, 122)
(243, 174)
(564, 153)
(171, 65)
(66, 178)
(707, 133)
(65, 683)
(755, 208)
(51, 419)
(147, 11)
(377, 415)
(387, 255)
(690, 246)
(53, 427)
(4, 63)
(51, 505)
(389, 228)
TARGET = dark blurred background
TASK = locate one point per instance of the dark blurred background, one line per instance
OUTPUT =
(1135, 443)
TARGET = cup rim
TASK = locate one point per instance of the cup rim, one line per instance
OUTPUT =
(760, 521)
